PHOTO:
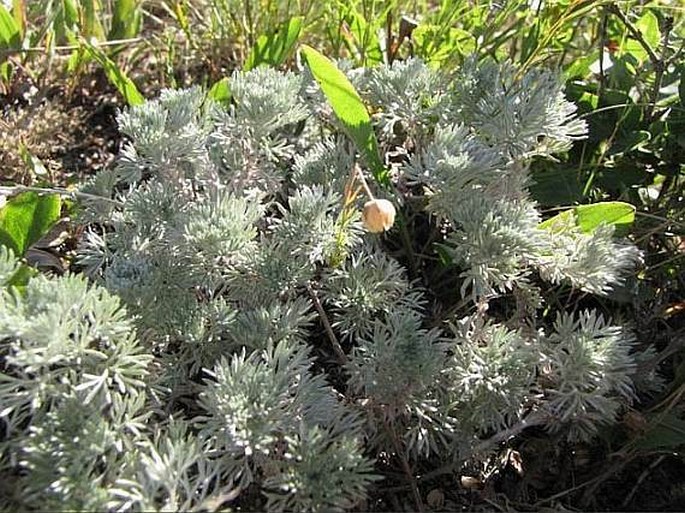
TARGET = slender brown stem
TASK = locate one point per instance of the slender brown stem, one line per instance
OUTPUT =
(535, 419)
(640, 479)
(405, 465)
(657, 62)
(635, 32)
(342, 358)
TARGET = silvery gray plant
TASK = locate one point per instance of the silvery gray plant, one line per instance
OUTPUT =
(242, 331)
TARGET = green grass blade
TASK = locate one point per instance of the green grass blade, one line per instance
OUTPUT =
(126, 19)
(92, 13)
(274, 49)
(115, 75)
(349, 108)
(19, 14)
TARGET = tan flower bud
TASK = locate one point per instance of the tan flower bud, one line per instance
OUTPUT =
(378, 215)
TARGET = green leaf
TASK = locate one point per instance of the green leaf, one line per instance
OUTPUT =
(363, 34)
(115, 75)
(648, 25)
(589, 217)
(667, 433)
(681, 86)
(220, 92)
(445, 254)
(26, 218)
(92, 14)
(580, 67)
(617, 213)
(273, 49)
(437, 45)
(21, 277)
(70, 10)
(6, 72)
(10, 33)
(349, 108)
(126, 19)
(19, 15)
(559, 222)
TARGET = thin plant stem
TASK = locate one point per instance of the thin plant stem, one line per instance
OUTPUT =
(55, 190)
(342, 358)
(405, 465)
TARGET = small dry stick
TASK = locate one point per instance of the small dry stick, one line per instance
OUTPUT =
(327, 326)
(642, 477)
(405, 465)
(657, 62)
(615, 9)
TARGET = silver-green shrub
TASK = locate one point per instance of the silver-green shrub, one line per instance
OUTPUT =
(242, 332)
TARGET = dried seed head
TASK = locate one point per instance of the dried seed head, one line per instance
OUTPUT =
(378, 215)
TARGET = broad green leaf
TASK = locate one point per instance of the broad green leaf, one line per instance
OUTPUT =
(273, 49)
(589, 217)
(617, 213)
(668, 433)
(648, 25)
(580, 68)
(559, 222)
(66, 22)
(220, 92)
(115, 75)
(349, 108)
(445, 254)
(10, 33)
(681, 86)
(26, 218)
